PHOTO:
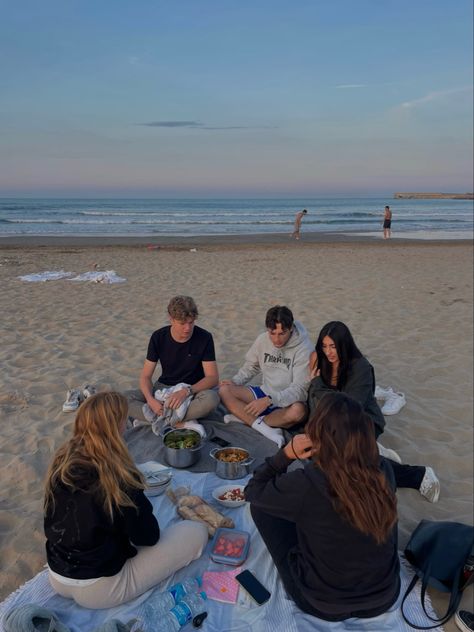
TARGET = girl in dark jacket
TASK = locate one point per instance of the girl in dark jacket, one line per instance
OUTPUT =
(338, 365)
(104, 545)
(331, 526)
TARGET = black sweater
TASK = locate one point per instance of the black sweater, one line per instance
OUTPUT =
(336, 568)
(360, 386)
(84, 543)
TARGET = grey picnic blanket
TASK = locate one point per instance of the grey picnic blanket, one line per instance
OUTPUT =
(144, 445)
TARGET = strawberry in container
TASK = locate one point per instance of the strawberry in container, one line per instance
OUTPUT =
(230, 546)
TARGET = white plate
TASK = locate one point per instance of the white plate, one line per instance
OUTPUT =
(228, 503)
(157, 477)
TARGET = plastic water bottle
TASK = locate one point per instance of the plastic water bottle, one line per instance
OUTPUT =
(184, 611)
(161, 602)
(186, 587)
(189, 606)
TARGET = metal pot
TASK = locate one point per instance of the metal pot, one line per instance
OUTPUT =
(181, 457)
(231, 469)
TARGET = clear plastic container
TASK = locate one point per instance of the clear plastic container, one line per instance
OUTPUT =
(230, 546)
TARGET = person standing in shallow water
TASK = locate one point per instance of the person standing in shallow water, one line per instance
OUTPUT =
(387, 223)
(298, 219)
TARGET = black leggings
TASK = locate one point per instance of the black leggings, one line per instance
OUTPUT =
(405, 475)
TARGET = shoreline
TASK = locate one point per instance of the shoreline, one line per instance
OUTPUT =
(99, 241)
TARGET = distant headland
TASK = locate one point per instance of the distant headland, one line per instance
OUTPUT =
(434, 196)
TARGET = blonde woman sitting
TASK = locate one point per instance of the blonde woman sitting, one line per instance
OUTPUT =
(104, 546)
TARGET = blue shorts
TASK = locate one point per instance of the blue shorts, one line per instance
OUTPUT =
(259, 394)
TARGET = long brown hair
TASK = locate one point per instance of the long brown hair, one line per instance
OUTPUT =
(346, 451)
(97, 445)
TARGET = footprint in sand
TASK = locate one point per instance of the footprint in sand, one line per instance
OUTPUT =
(455, 300)
(9, 402)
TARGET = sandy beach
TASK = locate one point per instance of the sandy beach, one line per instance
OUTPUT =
(408, 304)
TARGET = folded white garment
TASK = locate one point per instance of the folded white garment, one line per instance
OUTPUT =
(170, 416)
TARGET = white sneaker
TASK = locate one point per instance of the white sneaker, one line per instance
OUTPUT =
(192, 424)
(274, 434)
(430, 486)
(88, 390)
(228, 418)
(394, 403)
(383, 393)
(74, 399)
(388, 453)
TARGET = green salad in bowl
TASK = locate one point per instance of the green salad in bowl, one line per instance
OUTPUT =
(182, 439)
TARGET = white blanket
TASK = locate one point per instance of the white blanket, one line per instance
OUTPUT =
(105, 276)
(279, 614)
(49, 275)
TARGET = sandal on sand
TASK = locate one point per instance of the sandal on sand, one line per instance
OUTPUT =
(74, 399)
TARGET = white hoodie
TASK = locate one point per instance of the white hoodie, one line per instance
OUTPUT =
(285, 370)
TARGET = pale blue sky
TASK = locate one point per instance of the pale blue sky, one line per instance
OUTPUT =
(247, 98)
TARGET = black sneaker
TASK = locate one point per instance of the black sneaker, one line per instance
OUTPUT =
(464, 620)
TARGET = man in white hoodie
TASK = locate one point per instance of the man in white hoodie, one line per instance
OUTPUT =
(281, 354)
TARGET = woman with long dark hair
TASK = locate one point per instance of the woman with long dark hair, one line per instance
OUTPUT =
(337, 364)
(104, 545)
(331, 526)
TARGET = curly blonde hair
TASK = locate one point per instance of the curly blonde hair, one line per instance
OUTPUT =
(97, 445)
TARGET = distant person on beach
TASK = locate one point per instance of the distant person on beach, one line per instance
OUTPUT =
(104, 546)
(281, 354)
(387, 223)
(186, 354)
(298, 219)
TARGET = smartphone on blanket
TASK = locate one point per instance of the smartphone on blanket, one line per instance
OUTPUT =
(222, 442)
(255, 589)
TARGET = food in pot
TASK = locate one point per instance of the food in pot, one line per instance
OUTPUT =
(179, 439)
(232, 456)
(232, 494)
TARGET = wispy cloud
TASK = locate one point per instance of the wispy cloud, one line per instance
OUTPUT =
(348, 86)
(172, 124)
(202, 126)
(436, 95)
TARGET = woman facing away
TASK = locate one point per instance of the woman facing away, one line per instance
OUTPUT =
(104, 545)
(338, 365)
(331, 526)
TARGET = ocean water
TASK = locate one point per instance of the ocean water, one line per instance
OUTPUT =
(189, 217)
